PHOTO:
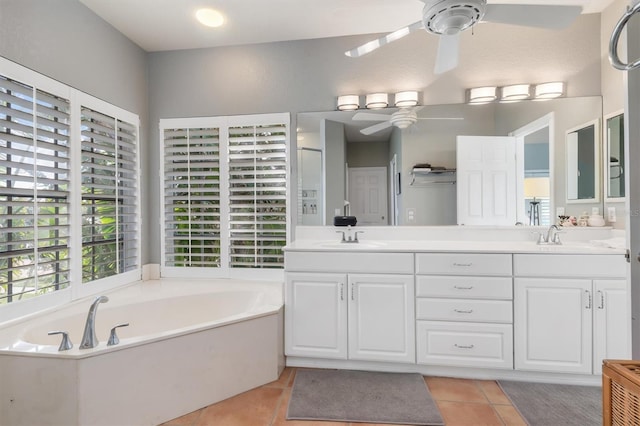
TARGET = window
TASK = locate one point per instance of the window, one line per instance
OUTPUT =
(225, 193)
(109, 193)
(34, 191)
(69, 188)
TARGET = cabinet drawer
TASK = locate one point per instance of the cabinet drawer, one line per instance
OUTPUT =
(383, 263)
(463, 264)
(464, 287)
(464, 310)
(465, 344)
(570, 265)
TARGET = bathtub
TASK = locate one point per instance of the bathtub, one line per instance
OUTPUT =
(189, 343)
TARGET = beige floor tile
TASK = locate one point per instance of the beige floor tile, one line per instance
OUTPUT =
(467, 414)
(253, 408)
(448, 389)
(281, 416)
(509, 415)
(285, 379)
(493, 392)
(186, 420)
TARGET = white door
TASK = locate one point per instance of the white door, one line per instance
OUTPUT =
(612, 322)
(368, 195)
(553, 324)
(381, 318)
(316, 315)
(486, 169)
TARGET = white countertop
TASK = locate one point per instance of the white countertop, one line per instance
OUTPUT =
(570, 247)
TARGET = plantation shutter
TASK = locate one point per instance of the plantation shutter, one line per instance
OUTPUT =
(109, 195)
(192, 197)
(34, 191)
(257, 157)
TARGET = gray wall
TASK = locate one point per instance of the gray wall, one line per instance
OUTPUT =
(64, 40)
(368, 154)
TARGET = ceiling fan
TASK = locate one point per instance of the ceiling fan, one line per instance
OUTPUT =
(448, 18)
(401, 119)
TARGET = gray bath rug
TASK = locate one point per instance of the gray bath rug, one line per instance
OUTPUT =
(362, 396)
(543, 404)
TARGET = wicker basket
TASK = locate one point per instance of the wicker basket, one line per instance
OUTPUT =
(621, 392)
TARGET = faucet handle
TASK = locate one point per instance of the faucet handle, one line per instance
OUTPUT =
(355, 238)
(556, 237)
(65, 344)
(343, 235)
(113, 337)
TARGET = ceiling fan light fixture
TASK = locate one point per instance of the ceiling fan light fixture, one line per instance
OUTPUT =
(406, 99)
(545, 91)
(348, 102)
(514, 93)
(377, 100)
(482, 95)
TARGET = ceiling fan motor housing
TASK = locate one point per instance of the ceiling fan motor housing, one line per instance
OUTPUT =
(404, 118)
(452, 16)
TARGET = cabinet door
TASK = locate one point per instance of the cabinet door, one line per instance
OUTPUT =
(612, 322)
(382, 317)
(316, 315)
(553, 323)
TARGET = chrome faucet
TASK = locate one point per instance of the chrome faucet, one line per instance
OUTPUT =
(552, 237)
(89, 339)
(346, 236)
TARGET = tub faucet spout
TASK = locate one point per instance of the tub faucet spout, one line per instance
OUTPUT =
(89, 339)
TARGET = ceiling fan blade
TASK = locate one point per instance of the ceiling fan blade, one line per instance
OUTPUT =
(374, 44)
(447, 57)
(440, 118)
(529, 15)
(375, 128)
(370, 116)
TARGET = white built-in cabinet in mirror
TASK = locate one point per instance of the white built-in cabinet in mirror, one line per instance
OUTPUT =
(614, 161)
(583, 163)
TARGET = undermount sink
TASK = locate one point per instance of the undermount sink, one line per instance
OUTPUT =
(355, 246)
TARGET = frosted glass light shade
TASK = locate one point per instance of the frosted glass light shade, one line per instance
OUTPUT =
(406, 99)
(482, 95)
(348, 102)
(549, 90)
(377, 100)
(514, 93)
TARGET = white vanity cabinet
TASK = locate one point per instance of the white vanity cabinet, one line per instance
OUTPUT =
(571, 311)
(464, 309)
(347, 313)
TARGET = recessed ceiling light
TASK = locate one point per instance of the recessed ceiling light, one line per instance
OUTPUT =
(210, 17)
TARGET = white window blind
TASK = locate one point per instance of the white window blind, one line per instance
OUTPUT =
(192, 197)
(109, 195)
(224, 193)
(34, 191)
(257, 195)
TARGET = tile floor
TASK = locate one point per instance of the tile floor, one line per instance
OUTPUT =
(461, 402)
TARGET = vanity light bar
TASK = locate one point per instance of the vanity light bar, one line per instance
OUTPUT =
(405, 99)
(377, 101)
(515, 93)
(348, 102)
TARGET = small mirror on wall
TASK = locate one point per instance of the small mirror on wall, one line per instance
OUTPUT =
(614, 164)
(583, 163)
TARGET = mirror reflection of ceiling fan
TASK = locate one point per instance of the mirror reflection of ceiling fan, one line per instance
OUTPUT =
(448, 18)
(401, 119)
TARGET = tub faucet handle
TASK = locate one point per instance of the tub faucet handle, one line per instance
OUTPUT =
(113, 337)
(65, 344)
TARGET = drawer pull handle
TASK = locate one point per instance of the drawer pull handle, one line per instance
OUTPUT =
(461, 311)
(341, 291)
(457, 287)
(462, 264)
(463, 346)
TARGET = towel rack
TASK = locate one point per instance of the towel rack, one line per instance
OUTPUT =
(430, 175)
(615, 37)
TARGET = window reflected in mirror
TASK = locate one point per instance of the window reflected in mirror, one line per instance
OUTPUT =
(615, 161)
(582, 149)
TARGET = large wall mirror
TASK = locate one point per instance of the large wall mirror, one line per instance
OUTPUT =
(431, 199)
(614, 164)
